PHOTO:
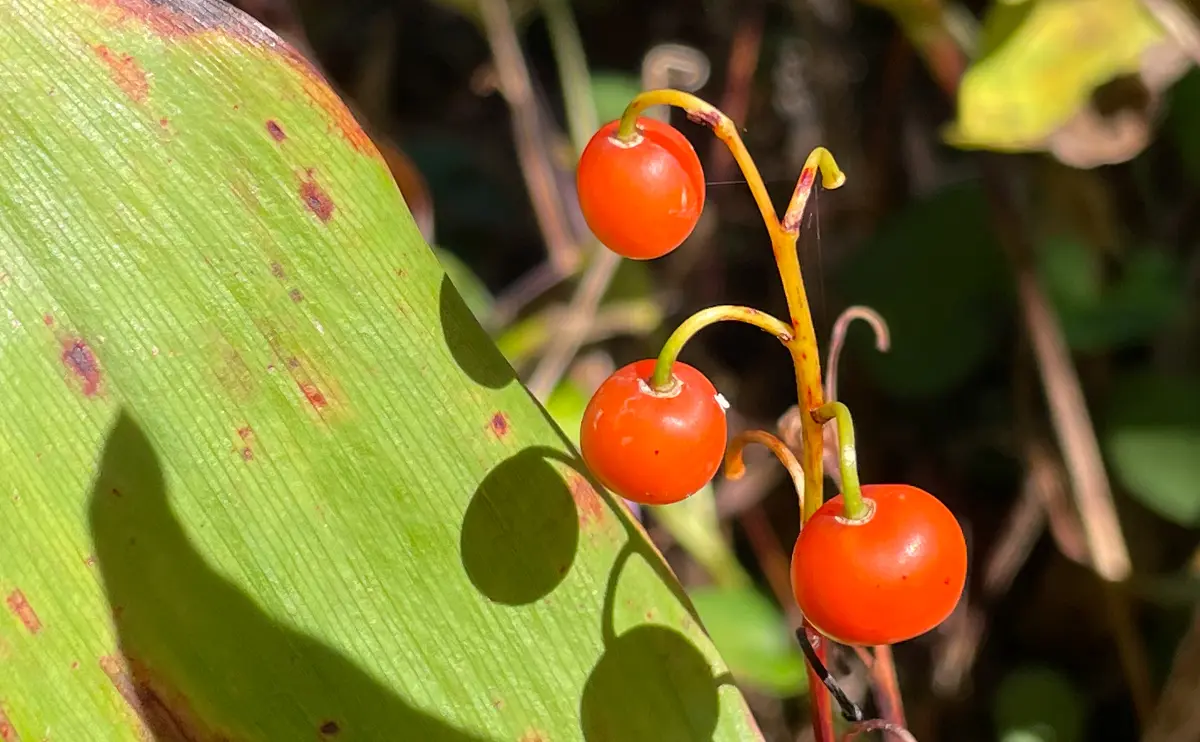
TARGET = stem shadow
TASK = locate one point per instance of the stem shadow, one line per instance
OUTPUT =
(198, 659)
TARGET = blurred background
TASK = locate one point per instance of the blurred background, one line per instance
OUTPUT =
(1022, 207)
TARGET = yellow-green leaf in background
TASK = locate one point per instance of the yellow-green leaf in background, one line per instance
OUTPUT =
(263, 477)
(1039, 63)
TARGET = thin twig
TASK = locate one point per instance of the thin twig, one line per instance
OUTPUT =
(735, 101)
(514, 83)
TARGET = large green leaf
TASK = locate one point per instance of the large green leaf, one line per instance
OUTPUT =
(264, 476)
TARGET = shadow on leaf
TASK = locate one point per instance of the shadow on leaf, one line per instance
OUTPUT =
(473, 350)
(521, 529)
(199, 660)
(651, 683)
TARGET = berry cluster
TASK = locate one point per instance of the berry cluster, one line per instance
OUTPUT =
(877, 564)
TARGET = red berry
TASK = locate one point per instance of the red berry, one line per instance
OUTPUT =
(649, 447)
(640, 199)
(885, 579)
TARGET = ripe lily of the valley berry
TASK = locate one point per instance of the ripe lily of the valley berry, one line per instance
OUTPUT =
(873, 566)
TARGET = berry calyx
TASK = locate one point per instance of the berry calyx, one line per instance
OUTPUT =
(654, 447)
(641, 197)
(889, 576)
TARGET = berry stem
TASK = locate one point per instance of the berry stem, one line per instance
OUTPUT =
(735, 465)
(662, 380)
(853, 505)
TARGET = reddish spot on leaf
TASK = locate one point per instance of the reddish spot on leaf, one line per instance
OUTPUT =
(340, 118)
(125, 72)
(75, 665)
(78, 357)
(245, 433)
(330, 728)
(8, 733)
(19, 605)
(247, 454)
(164, 123)
(587, 502)
(275, 130)
(296, 295)
(48, 320)
(316, 199)
(313, 395)
(500, 424)
(164, 711)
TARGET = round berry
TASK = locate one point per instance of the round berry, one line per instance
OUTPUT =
(640, 198)
(652, 447)
(887, 578)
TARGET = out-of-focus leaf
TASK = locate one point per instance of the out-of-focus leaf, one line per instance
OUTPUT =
(938, 277)
(1152, 438)
(566, 405)
(1095, 316)
(753, 637)
(476, 295)
(612, 92)
(696, 527)
(1183, 121)
(1039, 64)
(264, 475)
(1038, 704)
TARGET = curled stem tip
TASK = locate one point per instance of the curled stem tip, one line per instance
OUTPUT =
(831, 177)
(661, 380)
(735, 465)
(854, 507)
(883, 341)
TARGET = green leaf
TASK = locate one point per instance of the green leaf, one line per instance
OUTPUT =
(265, 477)
(1147, 295)
(566, 406)
(612, 92)
(1039, 63)
(753, 636)
(1152, 439)
(938, 277)
(1038, 704)
(696, 527)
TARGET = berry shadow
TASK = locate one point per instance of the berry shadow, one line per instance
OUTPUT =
(471, 347)
(198, 658)
(521, 528)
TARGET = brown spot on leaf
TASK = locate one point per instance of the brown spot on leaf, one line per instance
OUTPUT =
(296, 295)
(247, 454)
(293, 363)
(499, 424)
(125, 72)
(587, 502)
(8, 733)
(340, 118)
(20, 607)
(330, 728)
(313, 395)
(162, 710)
(277, 271)
(275, 130)
(78, 357)
(245, 432)
(533, 735)
(316, 199)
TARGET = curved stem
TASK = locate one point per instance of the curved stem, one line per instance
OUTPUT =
(661, 381)
(703, 112)
(883, 341)
(735, 465)
(878, 725)
(854, 507)
(831, 177)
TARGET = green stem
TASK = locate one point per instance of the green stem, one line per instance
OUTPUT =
(854, 507)
(662, 380)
